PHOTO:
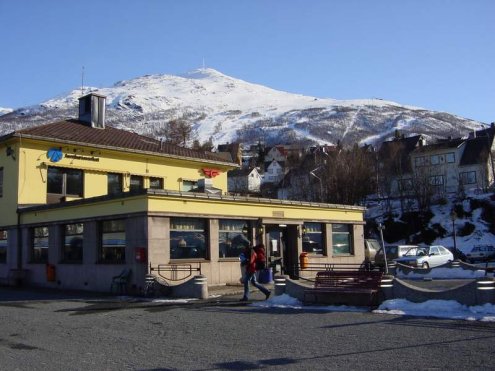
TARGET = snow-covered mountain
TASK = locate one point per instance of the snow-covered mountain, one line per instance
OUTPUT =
(226, 109)
(4, 111)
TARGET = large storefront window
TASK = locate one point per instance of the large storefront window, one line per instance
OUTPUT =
(113, 241)
(72, 250)
(342, 239)
(231, 238)
(187, 238)
(313, 241)
(39, 246)
(3, 246)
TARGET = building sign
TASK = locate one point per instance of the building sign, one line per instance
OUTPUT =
(55, 154)
(80, 157)
(211, 172)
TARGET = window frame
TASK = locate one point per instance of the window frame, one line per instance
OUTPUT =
(190, 231)
(228, 231)
(112, 253)
(65, 182)
(160, 181)
(466, 175)
(38, 236)
(350, 239)
(112, 187)
(188, 185)
(73, 234)
(310, 229)
(136, 183)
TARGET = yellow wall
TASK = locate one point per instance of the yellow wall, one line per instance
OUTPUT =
(28, 185)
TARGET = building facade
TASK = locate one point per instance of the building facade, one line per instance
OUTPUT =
(85, 201)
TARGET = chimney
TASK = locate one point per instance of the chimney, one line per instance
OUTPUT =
(92, 110)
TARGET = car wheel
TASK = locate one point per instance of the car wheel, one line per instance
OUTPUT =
(425, 265)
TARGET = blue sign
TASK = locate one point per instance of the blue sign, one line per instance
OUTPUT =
(55, 154)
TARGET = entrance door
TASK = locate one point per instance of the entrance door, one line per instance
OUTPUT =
(282, 248)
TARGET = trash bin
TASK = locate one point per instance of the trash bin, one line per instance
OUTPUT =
(303, 260)
(51, 275)
(265, 275)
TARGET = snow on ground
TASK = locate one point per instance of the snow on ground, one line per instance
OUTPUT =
(442, 273)
(432, 308)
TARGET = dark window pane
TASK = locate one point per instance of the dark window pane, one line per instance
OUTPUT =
(137, 183)
(114, 183)
(74, 182)
(156, 183)
(55, 180)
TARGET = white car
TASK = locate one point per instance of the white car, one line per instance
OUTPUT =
(426, 257)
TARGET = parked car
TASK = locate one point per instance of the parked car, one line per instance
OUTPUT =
(426, 257)
(371, 247)
(393, 252)
(481, 253)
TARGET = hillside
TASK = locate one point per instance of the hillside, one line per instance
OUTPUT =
(474, 223)
(228, 109)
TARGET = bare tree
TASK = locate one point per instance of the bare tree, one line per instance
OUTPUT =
(178, 132)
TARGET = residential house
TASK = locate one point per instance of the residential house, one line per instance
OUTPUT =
(244, 181)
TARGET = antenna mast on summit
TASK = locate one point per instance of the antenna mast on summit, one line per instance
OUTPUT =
(82, 81)
(204, 63)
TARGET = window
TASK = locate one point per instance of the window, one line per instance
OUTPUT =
(419, 161)
(187, 238)
(39, 245)
(114, 183)
(450, 157)
(435, 159)
(65, 182)
(72, 250)
(156, 183)
(1, 181)
(113, 242)
(188, 185)
(3, 246)
(137, 183)
(312, 239)
(468, 177)
(231, 239)
(342, 239)
(405, 184)
(436, 180)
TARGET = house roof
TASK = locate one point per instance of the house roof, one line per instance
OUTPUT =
(402, 147)
(441, 144)
(77, 132)
(240, 172)
(476, 151)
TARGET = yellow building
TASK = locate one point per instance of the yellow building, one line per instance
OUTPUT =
(80, 201)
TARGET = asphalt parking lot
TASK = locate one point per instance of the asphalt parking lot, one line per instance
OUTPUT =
(47, 330)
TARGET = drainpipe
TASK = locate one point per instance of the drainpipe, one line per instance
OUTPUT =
(19, 240)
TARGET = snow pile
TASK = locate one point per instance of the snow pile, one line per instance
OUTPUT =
(432, 308)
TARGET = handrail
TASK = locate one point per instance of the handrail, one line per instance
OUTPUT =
(173, 272)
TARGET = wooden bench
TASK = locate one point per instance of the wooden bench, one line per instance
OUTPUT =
(345, 288)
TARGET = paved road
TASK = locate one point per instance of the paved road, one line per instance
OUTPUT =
(51, 331)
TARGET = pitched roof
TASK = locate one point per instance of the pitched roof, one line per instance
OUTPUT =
(401, 147)
(476, 151)
(77, 132)
(441, 144)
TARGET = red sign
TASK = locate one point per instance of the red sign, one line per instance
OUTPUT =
(211, 172)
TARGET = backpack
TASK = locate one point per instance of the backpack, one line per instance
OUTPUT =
(260, 257)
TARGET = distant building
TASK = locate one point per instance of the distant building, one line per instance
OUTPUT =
(244, 181)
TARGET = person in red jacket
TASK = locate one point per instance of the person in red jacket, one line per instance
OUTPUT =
(251, 274)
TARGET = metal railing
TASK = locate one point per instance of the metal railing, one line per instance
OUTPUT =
(175, 272)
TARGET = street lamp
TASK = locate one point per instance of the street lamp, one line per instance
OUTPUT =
(381, 227)
(453, 217)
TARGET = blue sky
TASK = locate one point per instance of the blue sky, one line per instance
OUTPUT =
(436, 54)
